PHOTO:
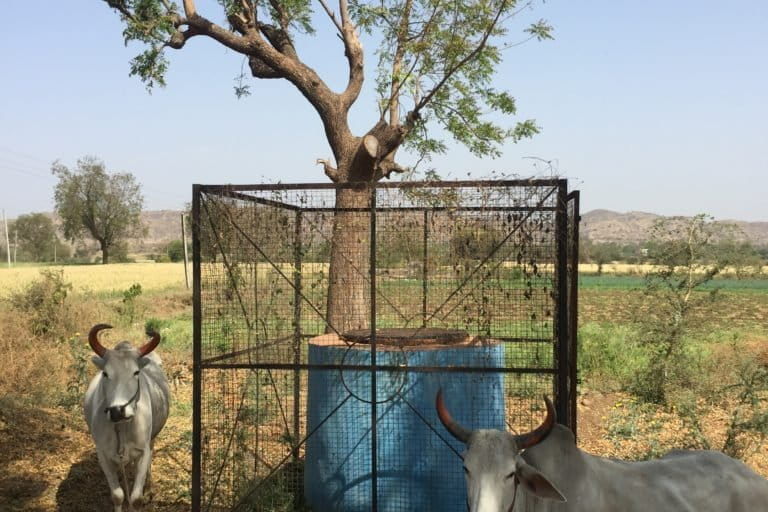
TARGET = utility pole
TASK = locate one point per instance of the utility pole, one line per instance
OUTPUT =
(7, 244)
(15, 244)
(184, 243)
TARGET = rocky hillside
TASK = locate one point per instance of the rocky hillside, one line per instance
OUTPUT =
(163, 226)
(596, 225)
(610, 226)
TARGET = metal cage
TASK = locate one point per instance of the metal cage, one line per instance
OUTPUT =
(476, 281)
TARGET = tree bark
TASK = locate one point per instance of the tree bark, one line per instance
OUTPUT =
(104, 252)
(348, 305)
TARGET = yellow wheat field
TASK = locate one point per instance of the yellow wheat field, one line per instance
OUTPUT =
(101, 278)
(159, 276)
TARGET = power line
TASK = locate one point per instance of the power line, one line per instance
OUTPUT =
(17, 162)
(4, 167)
(24, 155)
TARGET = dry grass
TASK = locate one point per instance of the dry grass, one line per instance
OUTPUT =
(100, 278)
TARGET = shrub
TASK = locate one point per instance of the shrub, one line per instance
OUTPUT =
(44, 301)
(609, 357)
(129, 309)
(176, 250)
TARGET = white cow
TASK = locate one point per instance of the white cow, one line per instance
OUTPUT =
(540, 470)
(126, 406)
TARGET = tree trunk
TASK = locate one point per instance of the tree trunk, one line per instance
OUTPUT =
(104, 252)
(348, 305)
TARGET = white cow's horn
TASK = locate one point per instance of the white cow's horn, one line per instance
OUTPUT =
(93, 339)
(456, 430)
(541, 432)
(151, 344)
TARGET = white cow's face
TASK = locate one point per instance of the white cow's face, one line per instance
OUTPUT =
(489, 471)
(120, 370)
(494, 469)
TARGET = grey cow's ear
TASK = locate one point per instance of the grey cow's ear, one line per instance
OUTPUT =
(98, 361)
(144, 361)
(536, 483)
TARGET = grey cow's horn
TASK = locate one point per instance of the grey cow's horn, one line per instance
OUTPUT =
(93, 339)
(456, 430)
(541, 432)
(150, 345)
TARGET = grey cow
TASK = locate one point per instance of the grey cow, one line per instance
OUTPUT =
(126, 406)
(544, 471)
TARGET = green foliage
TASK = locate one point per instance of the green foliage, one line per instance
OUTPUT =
(748, 390)
(36, 237)
(107, 207)
(435, 57)
(449, 52)
(743, 258)
(79, 369)
(45, 303)
(686, 259)
(609, 356)
(129, 309)
(176, 250)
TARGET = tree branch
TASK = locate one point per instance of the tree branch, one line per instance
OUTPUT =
(414, 114)
(330, 171)
(332, 15)
(353, 50)
(260, 69)
(397, 63)
(189, 8)
(281, 14)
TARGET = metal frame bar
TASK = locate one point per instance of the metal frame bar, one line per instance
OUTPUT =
(573, 305)
(197, 348)
(561, 312)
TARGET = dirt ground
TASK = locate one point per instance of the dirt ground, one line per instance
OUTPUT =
(48, 463)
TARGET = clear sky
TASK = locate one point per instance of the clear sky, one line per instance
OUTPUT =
(658, 106)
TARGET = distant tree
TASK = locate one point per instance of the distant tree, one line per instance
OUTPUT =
(36, 237)
(745, 260)
(90, 201)
(176, 250)
(601, 253)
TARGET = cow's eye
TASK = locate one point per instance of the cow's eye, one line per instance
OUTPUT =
(511, 475)
(465, 469)
(105, 375)
(136, 373)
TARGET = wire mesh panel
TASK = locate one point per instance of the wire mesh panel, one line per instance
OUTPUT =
(328, 317)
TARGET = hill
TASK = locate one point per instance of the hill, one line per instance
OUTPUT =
(164, 226)
(634, 227)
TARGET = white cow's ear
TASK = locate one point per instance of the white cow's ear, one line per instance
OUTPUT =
(535, 482)
(99, 362)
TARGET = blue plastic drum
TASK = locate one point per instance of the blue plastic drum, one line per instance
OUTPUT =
(417, 470)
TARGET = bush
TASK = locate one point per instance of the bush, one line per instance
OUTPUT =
(609, 357)
(129, 309)
(176, 250)
(44, 301)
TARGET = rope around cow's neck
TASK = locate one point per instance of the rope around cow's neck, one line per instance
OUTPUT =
(121, 448)
(121, 458)
(514, 496)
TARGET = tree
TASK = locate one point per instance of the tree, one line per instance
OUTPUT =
(686, 256)
(176, 250)
(107, 207)
(36, 237)
(436, 61)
